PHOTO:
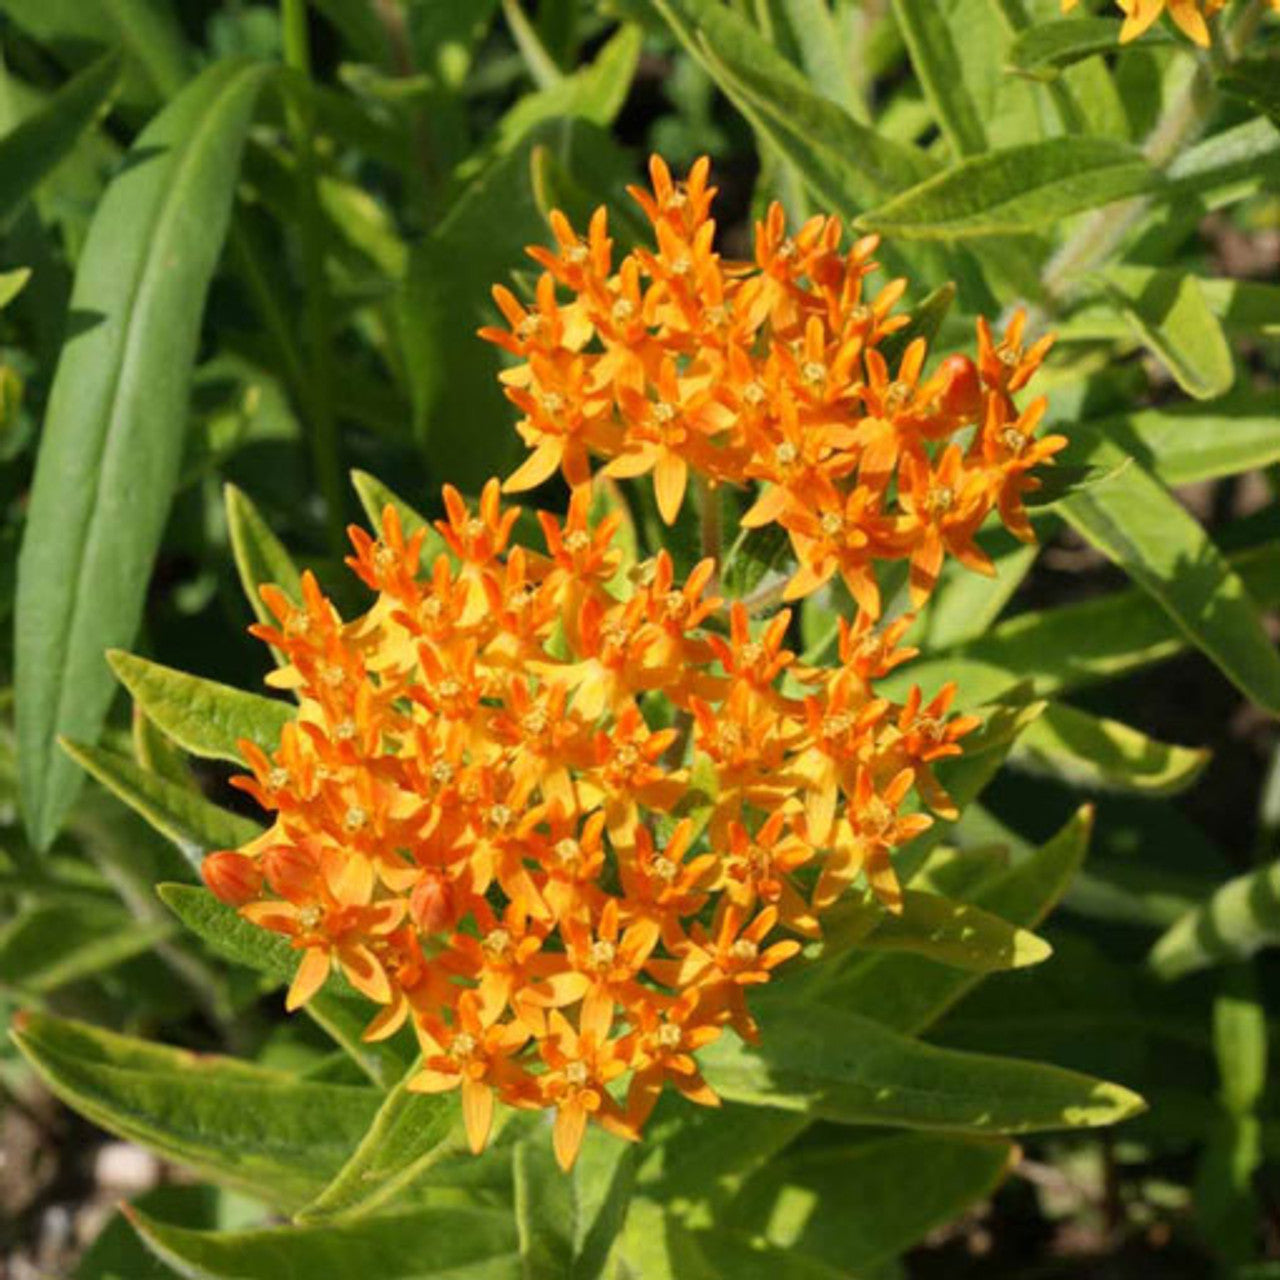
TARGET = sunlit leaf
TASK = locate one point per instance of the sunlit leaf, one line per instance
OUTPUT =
(242, 1126)
(203, 717)
(112, 439)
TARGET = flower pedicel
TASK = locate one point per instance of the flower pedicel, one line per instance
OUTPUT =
(562, 819)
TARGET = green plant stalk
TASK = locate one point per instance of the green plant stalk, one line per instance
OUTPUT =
(322, 425)
(540, 63)
(1102, 232)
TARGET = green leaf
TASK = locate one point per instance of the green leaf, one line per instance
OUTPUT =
(1240, 918)
(242, 1126)
(90, 940)
(1135, 522)
(203, 717)
(193, 823)
(452, 1243)
(1015, 191)
(35, 147)
(594, 92)
(846, 164)
(411, 1133)
(1093, 753)
(112, 440)
(840, 1066)
(1184, 443)
(12, 283)
(954, 933)
(567, 1222)
(375, 497)
(936, 61)
(1173, 319)
(1225, 166)
(148, 30)
(260, 556)
(923, 321)
(756, 554)
(907, 1184)
(1076, 645)
(1257, 81)
(909, 992)
(1045, 50)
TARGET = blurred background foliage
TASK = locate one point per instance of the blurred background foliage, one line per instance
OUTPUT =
(245, 249)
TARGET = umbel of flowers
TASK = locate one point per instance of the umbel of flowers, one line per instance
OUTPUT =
(562, 819)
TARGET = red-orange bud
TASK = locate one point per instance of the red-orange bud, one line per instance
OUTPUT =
(962, 388)
(431, 903)
(290, 871)
(232, 878)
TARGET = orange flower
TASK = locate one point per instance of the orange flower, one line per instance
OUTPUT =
(518, 787)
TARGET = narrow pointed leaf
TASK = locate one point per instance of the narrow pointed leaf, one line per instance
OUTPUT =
(1046, 49)
(909, 992)
(1137, 523)
(568, 1222)
(34, 147)
(193, 823)
(908, 1185)
(260, 1131)
(260, 556)
(1094, 753)
(936, 61)
(955, 933)
(410, 1133)
(1014, 191)
(1172, 318)
(842, 1067)
(203, 717)
(1240, 918)
(112, 440)
(430, 1244)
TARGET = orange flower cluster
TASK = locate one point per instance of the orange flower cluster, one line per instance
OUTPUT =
(770, 373)
(559, 813)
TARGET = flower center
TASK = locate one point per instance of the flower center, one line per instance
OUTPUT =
(354, 819)
(745, 950)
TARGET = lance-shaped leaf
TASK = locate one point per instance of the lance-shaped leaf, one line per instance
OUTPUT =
(260, 1131)
(1136, 522)
(1045, 50)
(1183, 444)
(840, 1066)
(1092, 752)
(430, 1244)
(35, 147)
(90, 941)
(1172, 317)
(908, 1184)
(910, 992)
(112, 441)
(260, 556)
(1240, 918)
(411, 1133)
(846, 163)
(193, 823)
(1015, 191)
(201, 716)
(936, 61)
(568, 1222)
(1073, 646)
(955, 933)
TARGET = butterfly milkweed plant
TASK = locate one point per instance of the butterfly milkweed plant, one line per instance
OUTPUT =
(583, 579)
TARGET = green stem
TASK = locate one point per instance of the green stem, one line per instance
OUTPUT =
(712, 528)
(541, 65)
(323, 427)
